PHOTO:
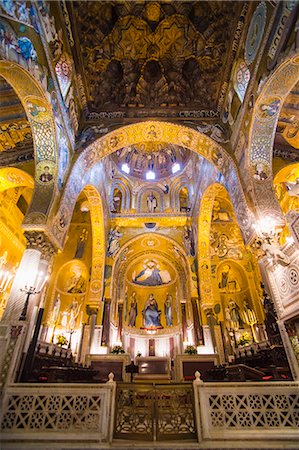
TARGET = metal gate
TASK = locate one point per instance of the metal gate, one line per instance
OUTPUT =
(154, 412)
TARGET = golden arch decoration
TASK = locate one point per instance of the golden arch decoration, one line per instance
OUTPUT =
(95, 285)
(98, 246)
(151, 132)
(203, 246)
(262, 132)
(40, 117)
(10, 177)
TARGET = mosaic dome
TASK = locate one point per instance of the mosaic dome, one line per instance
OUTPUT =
(163, 159)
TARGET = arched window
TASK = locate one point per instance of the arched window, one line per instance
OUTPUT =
(116, 201)
(64, 72)
(241, 79)
(184, 200)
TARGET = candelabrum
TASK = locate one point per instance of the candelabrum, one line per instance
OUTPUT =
(5, 279)
(71, 332)
(32, 290)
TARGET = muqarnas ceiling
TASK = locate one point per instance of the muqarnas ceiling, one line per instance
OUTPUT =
(154, 54)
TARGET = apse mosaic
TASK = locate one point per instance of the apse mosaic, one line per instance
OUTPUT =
(151, 274)
(151, 292)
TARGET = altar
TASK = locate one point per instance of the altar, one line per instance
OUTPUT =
(153, 368)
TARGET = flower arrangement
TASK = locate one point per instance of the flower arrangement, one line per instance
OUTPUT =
(117, 349)
(61, 340)
(190, 350)
(244, 339)
(295, 344)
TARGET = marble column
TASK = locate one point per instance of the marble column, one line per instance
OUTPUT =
(36, 258)
(92, 312)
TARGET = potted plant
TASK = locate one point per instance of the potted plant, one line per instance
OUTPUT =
(117, 349)
(244, 339)
(190, 350)
(61, 340)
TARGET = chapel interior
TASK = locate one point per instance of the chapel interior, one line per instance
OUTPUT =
(149, 207)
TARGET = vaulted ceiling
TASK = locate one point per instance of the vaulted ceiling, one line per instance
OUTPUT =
(15, 133)
(288, 122)
(140, 59)
(163, 56)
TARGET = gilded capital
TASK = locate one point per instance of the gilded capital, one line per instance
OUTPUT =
(91, 310)
(38, 240)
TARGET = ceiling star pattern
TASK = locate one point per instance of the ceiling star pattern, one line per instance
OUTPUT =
(154, 54)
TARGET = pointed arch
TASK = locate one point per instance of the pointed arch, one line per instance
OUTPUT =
(235, 253)
(262, 132)
(175, 189)
(157, 190)
(151, 131)
(203, 244)
(40, 117)
(126, 257)
(124, 188)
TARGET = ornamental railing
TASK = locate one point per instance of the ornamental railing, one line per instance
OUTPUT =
(263, 411)
(152, 412)
(89, 413)
(58, 412)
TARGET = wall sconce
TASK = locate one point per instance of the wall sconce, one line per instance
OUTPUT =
(5, 278)
(33, 290)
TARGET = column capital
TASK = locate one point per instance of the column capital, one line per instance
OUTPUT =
(38, 240)
(91, 310)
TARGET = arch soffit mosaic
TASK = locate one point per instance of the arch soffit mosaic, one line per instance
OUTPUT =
(203, 249)
(95, 286)
(262, 133)
(152, 131)
(40, 117)
(11, 177)
(98, 245)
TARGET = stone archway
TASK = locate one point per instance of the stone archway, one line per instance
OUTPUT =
(40, 117)
(151, 131)
(262, 132)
